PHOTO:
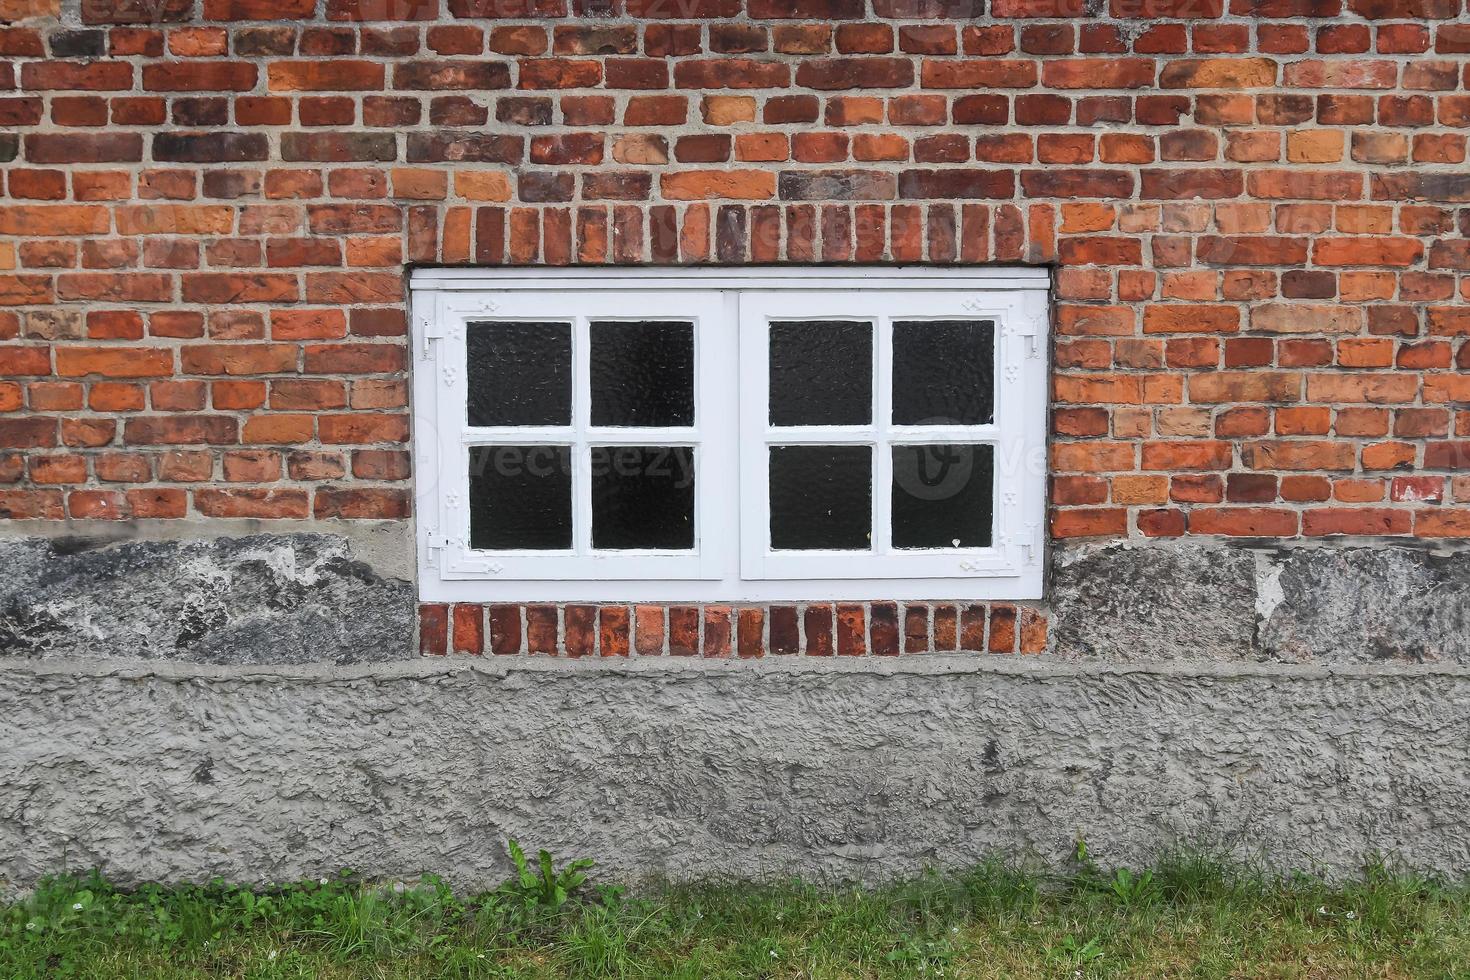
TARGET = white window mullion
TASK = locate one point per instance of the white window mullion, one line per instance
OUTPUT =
(882, 451)
(581, 448)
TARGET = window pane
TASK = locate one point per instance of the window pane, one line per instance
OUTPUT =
(643, 497)
(519, 373)
(942, 496)
(943, 372)
(520, 497)
(642, 373)
(821, 497)
(821, 372)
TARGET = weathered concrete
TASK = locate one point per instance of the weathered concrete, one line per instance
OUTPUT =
(1328, 602)
(852, 770)
(1340, 605)
(261, 598)
(1124, 603)
(252, 593)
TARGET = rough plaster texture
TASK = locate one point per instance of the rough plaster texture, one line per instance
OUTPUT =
(1330, 603)
(261, 598)
(853, 770)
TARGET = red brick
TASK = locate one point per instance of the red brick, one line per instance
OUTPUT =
(683, 631)
(750, 632)
(542, 630)
(469, 628)
(613, 631)
(252, 502)
(433, 629)
(716, 631)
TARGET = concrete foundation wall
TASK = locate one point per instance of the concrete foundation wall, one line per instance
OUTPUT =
(849, 770)
(249, 705)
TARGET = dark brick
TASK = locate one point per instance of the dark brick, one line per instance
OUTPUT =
(338, 147)
(956, 184)
(464, 147)
(210, 147)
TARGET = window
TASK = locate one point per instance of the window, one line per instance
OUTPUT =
(729, 435)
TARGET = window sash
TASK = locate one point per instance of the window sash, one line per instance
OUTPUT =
(453, 315)
(445, 301)
(1018, 424)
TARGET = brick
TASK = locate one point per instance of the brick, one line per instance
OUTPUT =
(580, 634)
(218, 76)
(978, 74)
(915, 628)
(180, 430)
(612, 626)
(1002, 629)
(96, 76)
(1218, 73)
(956, 184)
(750, 633)
(505, 629)
(468, 633)
(542, 630)
(445, 75)
(114, 362)
(716, 632)
(91, 148)
(324, 76)
(210, 147)
(699, 185)
(1243, 521)
(361, 504)
(1098, 73)
(731, 73)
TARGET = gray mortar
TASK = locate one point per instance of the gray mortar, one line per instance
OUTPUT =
(263, 598)
(860, 770)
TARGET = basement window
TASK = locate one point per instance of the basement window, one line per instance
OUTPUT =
(729, 435)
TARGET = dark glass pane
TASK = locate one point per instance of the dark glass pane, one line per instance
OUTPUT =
(520, 497)
(821, 497)
(642, 373)
(519, 373)
(943, 372)
(643, 497)
(821, 372)
(942, 496)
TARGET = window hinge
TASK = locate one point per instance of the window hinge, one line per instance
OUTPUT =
(434, 544)
(1033, 543)
(1029, 327)
(432, 330)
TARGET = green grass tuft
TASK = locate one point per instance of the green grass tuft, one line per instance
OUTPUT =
(1189, 916)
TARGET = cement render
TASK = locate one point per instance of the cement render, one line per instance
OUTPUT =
(860, 770)
(246, 705)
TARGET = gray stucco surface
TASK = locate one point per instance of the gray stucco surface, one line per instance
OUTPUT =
(247, 705)
(855, 770)
(259, 598)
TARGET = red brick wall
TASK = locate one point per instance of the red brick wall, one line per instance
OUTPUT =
(817, 629)
(1259, 223)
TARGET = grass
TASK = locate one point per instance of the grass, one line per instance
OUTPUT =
(1187, 917)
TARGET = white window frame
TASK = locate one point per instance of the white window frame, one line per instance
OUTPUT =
(732, 561)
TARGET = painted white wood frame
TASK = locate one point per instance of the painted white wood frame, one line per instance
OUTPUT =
(730, 309)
